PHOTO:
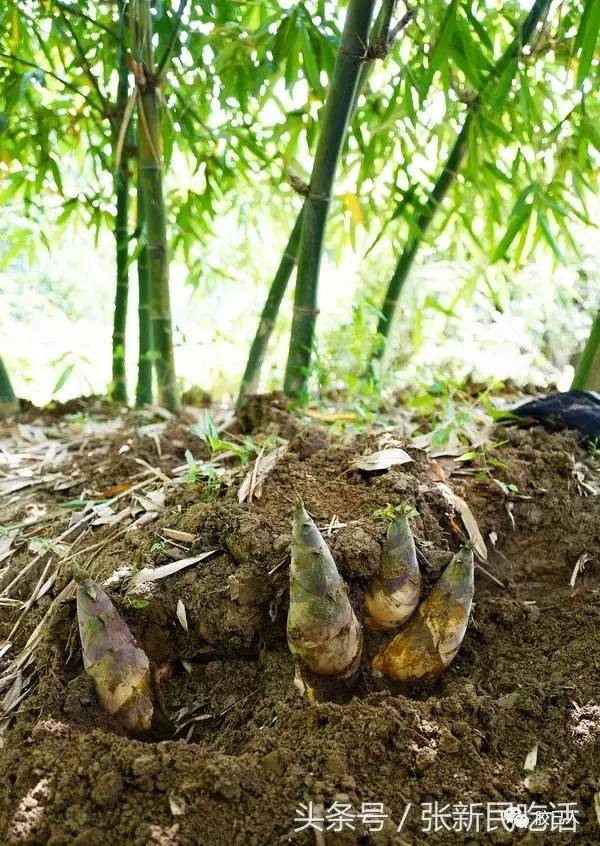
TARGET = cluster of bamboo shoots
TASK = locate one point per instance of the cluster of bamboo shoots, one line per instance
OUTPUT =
(324, 632)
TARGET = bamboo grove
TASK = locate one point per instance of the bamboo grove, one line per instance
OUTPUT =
(129, 89)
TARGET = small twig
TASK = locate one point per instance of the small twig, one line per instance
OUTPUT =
(103, 100)
(172, 39)
(66, 7)
(277, 566)
(238, 702)
(402, 24)
(490, 576)
(64, 82)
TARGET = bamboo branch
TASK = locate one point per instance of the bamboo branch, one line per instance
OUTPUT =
(104, 102)
(13, 57)
(446, 179)
(172, 40)
(72, 10)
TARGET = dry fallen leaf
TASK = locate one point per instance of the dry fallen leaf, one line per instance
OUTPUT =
(531, 759)
(331, 416)
(579, 567)
(177, 805)
(110, 492)
(436, 471)
(176, 535)
(251, 487)
(181, 615)
(469, 521)
(153, 500)
(6, 542)
(383, 459)
(153, 574)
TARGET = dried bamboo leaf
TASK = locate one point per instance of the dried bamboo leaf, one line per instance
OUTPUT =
(153, 574)
(383, 459)
(579, 567)
(182, 615)
(176, 535)
(13, 694)
(531, 759)
(469, 521)
(6, 542)
(255, 477)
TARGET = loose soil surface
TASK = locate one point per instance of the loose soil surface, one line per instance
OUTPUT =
(237, 745)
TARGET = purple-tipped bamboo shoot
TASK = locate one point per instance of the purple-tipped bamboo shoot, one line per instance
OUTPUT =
(430, 640)
(393, 594)
(119, 668)
(323, 631)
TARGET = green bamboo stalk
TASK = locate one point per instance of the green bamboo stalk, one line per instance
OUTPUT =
(151, 177)
(379, 45)
(446, 179)
(269, 314)
(336, 113)
(144, 390)
(587, 372)
(121, 182)
(8, 400)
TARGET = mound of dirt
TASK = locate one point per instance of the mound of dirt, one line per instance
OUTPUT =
(240, 749)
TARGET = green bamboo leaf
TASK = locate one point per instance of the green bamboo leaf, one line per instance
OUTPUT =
(441, 49)
(548, 236)
(64, 376)
(496, 129)
(279, 48)
(311, 65)
(55, 170)
(499, 174)
(431, 302)
(478, 27)
(293, 57)
(522, 198)
(501, 90)
(587, 36)
(516, 224)
(589, 130)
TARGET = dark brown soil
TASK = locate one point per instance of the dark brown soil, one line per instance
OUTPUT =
(236, 747)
